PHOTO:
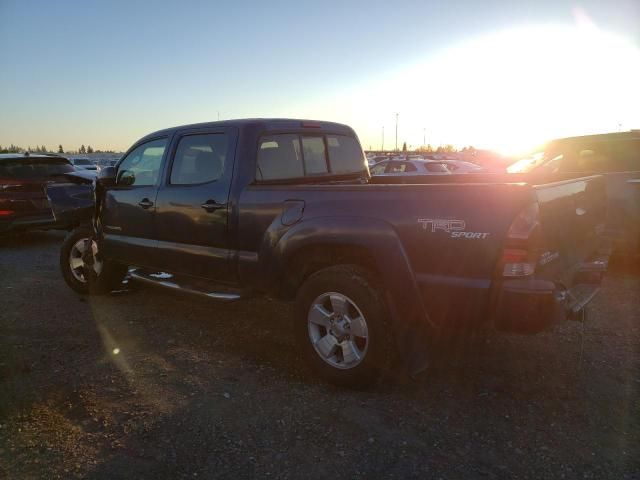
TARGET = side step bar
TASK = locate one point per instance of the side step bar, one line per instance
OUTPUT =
(172, 282)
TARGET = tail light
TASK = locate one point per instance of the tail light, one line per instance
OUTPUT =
(523, 244)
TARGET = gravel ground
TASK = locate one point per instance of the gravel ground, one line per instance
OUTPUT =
(143, 384)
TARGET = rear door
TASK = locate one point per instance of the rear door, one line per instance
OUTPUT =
(193, 205)
(128, 216)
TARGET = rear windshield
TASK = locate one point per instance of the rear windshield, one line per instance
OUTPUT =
(289, 156)
(23, 168)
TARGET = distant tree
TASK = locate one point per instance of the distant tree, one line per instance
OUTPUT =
(404, 147)
(82, 149)
(60, 149)
(89, 149)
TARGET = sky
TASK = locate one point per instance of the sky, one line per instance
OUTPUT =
(493, 74)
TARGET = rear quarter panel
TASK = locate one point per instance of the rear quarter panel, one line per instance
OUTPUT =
(452, 274)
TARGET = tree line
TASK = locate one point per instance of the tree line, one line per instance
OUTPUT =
(43, 149)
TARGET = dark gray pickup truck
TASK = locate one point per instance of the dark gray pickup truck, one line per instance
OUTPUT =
(379, 270)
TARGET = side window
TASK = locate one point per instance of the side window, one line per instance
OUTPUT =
(142, 166)
(436, 168)
(279, 158)
(315, 157)
(199, 159)
(379, 168)
(401, 167)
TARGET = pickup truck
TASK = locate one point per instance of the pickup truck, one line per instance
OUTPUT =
(380, 271)
(615, 156)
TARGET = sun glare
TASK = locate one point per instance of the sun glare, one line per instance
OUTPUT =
(510, 91)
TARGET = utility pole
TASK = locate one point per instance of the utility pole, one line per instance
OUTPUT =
(424, 137)
(382, 146)
(397, 131)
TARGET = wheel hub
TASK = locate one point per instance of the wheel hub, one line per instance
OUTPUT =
(338, 330)
(81, 257)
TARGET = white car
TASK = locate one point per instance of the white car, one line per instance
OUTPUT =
(83, 164)
(460, 166)
(409, 167)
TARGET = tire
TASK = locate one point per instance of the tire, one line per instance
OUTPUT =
(84, 279)
(333, 343)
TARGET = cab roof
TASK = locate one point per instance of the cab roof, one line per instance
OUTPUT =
(263, 124)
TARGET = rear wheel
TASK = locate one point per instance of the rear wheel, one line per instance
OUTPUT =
(82, 268)
(341, 326)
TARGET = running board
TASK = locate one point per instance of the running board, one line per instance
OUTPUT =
(173, 282)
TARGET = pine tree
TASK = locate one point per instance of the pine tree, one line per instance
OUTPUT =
(82, 149)
(89, 149)
(404, 147)
(60, 149)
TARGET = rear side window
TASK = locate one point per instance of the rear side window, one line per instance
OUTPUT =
(279, 157)
(199, 159)
(288, 156)
(34, 168)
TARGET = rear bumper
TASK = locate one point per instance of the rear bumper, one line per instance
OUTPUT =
(533, 305)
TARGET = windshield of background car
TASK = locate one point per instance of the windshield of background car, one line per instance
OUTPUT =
(34, 168)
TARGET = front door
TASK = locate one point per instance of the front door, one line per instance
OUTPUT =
(128, 214)
(192, 205)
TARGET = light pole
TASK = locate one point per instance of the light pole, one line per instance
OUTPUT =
(424, 137)
(397, 131)
(382, 146)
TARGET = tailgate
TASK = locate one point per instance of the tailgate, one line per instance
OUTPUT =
(572, 217)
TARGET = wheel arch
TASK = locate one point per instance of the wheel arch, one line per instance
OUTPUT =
(370, 243)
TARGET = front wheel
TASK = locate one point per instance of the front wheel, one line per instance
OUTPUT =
(93, 277)
(342, 326)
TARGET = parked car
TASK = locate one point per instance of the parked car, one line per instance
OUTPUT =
(374, 160)
(23, 200)
(377, 270)
(412, 166)
(84, 164)
(460, 166)
(614, 155)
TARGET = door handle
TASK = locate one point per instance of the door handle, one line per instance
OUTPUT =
(212, 205)
(145, 203)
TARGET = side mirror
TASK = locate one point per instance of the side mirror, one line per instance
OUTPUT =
(126, 178)
(106, 176)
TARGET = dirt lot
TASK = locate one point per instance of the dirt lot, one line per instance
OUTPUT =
(143, 384)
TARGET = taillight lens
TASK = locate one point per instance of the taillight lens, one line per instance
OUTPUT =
(522, 246)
